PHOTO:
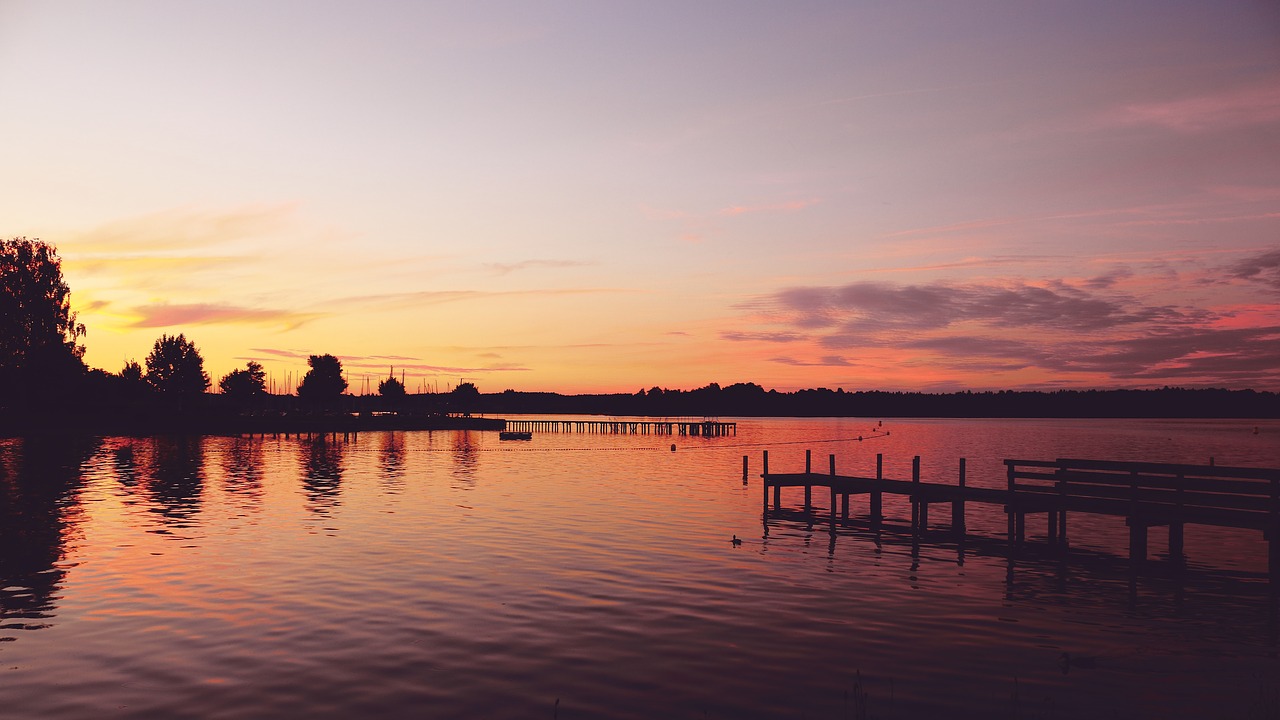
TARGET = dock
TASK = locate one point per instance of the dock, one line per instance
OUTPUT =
(1146, 495)
(694, 428)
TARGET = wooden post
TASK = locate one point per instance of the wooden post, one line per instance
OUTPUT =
(1176, 535)
(916, 508)
(1009, 508)
(877, 507)
(764, 481)
(957, 506)
(744, 469)
(832, 458)
(1273, 534)
(808, 488)
(1062, 507)
(1137, 541)
(777, 489)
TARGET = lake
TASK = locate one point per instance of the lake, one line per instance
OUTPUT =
(451, 574)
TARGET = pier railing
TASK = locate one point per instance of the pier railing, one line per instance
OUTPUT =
(697, 428)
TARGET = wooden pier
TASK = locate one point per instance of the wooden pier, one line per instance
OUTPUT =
(1145, 494)
(695, 428)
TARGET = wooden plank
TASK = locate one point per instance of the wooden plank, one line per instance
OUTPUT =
(1171, 468)
(1214, 485)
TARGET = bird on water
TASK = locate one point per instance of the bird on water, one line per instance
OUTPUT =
(736, 541)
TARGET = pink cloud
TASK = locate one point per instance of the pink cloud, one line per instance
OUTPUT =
(166, 315)
(1250, 105)
(788, 206)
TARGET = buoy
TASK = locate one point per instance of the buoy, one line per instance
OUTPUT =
(673, 447)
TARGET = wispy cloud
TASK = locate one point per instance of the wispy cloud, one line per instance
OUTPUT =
(166, 315)
(772, 207)
(181, 230)
(824, 361)
(770, 337)
(382, 363)
(441, 297)
(869, 307)
(508, 268)
(1263, 268)
(1223, 110)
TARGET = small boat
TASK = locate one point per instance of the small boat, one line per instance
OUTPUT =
(514, 435)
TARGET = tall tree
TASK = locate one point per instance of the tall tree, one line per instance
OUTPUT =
(39, 334)
(324, 381)
(245, 383)
(175, 367)
(391, 388)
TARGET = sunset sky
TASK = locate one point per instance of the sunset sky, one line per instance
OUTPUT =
(605, 196)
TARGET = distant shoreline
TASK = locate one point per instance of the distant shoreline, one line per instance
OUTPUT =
(220, 415)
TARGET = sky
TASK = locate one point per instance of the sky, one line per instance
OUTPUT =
(609, 196)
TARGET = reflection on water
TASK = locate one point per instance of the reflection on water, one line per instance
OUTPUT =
(243, 468)
(125, 464)
(391, 460)
(39, 518)
(595, 577)
(322, 474)
(465, 459)
(177, 478)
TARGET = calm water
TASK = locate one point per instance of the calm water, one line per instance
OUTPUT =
(453, 575)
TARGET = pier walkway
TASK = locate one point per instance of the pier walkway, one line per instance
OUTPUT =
(1145, 494)
(696, 428)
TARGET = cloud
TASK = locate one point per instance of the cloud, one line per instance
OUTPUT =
(957, 227)
(1227, 109)
(441, 297)
(1080, 331)
(824, 361)
(1109, 279)
(166, 315)
(507, 268)
(1263, 268)
(182, 229)
(771, 337)
(785, 206)
(380, 363)
(864, 307)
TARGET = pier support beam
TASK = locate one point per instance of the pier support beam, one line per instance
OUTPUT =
(957, 507)
(764, 482)
(1176, 542)
(808, 489)
(832, 459)
(1137, 541)
(877, 498)
(919, 508)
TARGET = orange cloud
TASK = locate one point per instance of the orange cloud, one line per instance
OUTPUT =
(181, 230)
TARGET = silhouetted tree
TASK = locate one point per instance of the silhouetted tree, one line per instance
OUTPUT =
(324, 380)
(391, 388)
(242, 384)
(40, 346)
(132, 372)
(464, 397)
(175, 367)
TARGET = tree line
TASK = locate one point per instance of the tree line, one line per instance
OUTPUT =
(43, 377)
